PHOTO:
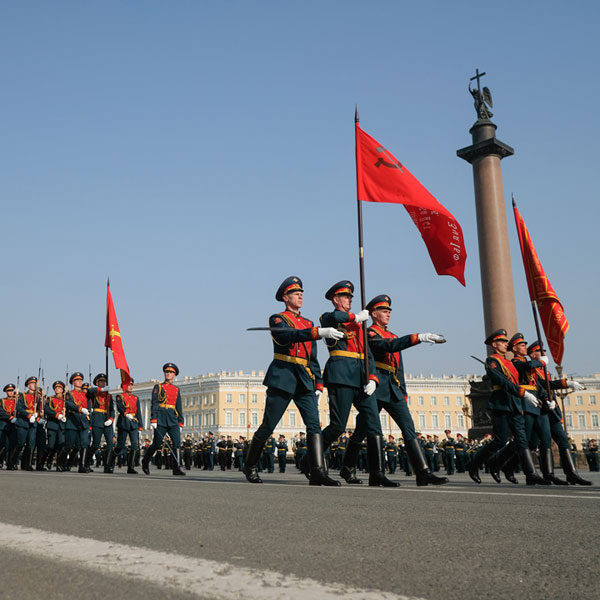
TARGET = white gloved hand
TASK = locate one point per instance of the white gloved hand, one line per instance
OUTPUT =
(361, 316)
(108, 423)
(129, 416)
(330, 333)
(35, 415)
(318, 394)
(63, 418)
(181, 428)
(370, 388)
(32, 419)
(13, 420)
(153, 425)
(544, 359)
(85, 411)
(551, 405)
(431, 338)
(531, 398)
(575, 386)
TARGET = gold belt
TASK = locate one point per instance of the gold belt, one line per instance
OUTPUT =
(165, 405)
(102, 410)
(385, 367)
(297, 360)
(527, 387)
(347, 354)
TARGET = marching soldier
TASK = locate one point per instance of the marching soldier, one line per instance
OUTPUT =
(294, 374)
(506, 404)
(428, 448)
(208, 452)
(449, 452)
(8, 420)
(129, 424)
(100, 402)
(27, 422)
(461, 453)
(77, 427)
(391, 394)
(166, 417)
(55, 426)
(282, 450)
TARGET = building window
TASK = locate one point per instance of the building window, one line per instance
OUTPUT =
(459, 401)
(593, 400)
(594, 420)
(254, 418)
(581, 420)
(569, 420)
(292, 418)
(433, 401)
(434, 420)
(205, 419)
(229, 398)
(206, 399)
(460, 420)
(254, 398)
(567, 401)
(383, 418)
(446, 400)
(187, 402)
(242, 419)
(408, 400)
(213, 418)
(242, 398)
(422, 423)
(228, 417)
(420, 401)
(214, 399)
(448, 421)
(579, 400)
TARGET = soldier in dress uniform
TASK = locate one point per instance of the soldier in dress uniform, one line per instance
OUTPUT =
(77, 427)
(129, 423)
(282, 450)
(593, 455)
(208, 451)
(8, 420)
(239, 453)
(449, 452)
(506, 405)
(55, 412)
(461, 453)
(27, 422)
(166, 417)
(300, 449)
(269, 455)
(222, 449)
(188, 448)
(391, 454)
(391, 393)
(102, 417)
(228, 452)
(294, 374)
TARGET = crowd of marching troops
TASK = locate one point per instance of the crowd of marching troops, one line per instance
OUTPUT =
(73, 427)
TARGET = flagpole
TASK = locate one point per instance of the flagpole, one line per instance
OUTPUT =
(106, 347)
(361, 251)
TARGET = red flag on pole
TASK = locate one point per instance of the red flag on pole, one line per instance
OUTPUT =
(381, 177)
(113, 337)
(553, 317)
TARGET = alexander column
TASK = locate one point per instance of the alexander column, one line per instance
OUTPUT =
(497, 290)
(485, 155)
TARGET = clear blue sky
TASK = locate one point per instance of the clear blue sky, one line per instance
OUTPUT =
(199, 152)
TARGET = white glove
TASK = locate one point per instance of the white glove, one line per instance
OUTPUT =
(531, 398)
(431, 338)
(108, 423)
(153, 425)
(551, 405)
(63, 418)
(361, 316)
(129, 416)
(544, 359)
(13, 420)
(370, 388)
(181, 428)
(32, 419)
(85, 411)
(318, 394)
(330, 333)
(575, 386)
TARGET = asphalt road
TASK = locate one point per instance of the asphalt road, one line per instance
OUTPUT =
(456, 541)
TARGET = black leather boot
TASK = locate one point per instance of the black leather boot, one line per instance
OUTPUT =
(318, 472)
(348, 470)
(250, 469)
(2, 455)
(61, 460)
(499, 459)
(50, 459)
(13, 457)
(570, 470)
(509, 467)
(531, 475)
(547, 468)
(377, 476)
(176, 462)
(148, 453)
(419, 464)
(40, 462)
(130, 463)
(481, 456)
(26, 459)
(109, 461)
(82, 456)
(89, 457)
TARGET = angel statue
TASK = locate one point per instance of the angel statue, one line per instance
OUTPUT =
(483, 102)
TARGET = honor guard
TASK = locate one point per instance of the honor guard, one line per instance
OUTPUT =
(129, 424)
(506, 405)
(386, 348)
(55, 426)
(269, 454)
(552, 409)
(166, 417)
(8, 420)
(188, 448)
(391, 454)
(294, 374)
(449, 452)
(102, 409)
(461, 453)
(27, 422)
(77, 427)
(282, 450)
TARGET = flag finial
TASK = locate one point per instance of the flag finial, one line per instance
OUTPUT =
(356, 113)
(513, 200)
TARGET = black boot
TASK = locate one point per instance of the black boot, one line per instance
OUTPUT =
(82, 463)
(508, 468)
(13, 457)
(61, 460)
(176, 462)
(348, 471)
(377, 476)
(73, 458)
(42, 457)
(89, 457)
(130, 463)
(318, 472)
(570, 470)
(251, 467)
(480, 457)
(109, 461)
(547, 468)
(50, 459)
(531, 475)
(497, 461)
(419, 465)
(26, 459)
(148, 452)
(2, 455)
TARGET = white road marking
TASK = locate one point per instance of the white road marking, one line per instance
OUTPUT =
(204, 578)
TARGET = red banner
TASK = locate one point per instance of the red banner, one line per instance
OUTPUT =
(552, 315)
(381, 177)
(113, 337)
